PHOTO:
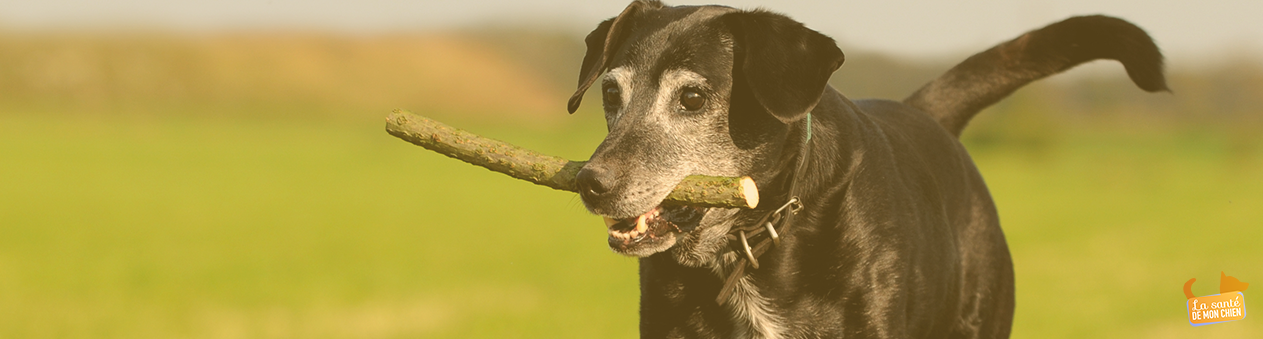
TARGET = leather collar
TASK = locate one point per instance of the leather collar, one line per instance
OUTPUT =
(751, 241)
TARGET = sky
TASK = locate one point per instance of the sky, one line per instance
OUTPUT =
(915, 29)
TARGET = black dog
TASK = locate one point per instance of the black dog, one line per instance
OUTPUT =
(874, 222)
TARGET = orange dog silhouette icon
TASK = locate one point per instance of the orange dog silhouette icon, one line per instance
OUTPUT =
(1228, 305)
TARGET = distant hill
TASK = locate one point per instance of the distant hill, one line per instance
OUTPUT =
(286, 73)
(501, 72)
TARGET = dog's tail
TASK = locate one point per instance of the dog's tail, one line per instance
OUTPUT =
(985, 78)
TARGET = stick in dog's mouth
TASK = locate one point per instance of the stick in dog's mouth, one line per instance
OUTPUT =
(657, 222)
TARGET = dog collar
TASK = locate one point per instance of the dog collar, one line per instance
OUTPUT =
(763, 234)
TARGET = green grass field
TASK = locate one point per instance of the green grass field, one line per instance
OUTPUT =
(330, 228)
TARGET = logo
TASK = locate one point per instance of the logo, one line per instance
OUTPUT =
(1228, 305)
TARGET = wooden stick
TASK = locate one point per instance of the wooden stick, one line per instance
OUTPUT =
(555, 172)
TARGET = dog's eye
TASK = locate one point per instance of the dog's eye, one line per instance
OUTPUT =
(612, 96)
(692, 100)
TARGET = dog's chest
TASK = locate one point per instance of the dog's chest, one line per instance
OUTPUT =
(753, 314)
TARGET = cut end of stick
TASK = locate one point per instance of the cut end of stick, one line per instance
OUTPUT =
(750, 192)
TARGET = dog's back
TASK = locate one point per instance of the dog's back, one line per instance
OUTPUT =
(985, 306)
(931, 187)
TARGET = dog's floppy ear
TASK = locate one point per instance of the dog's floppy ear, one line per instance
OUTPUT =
(602, 43)
(786, 65)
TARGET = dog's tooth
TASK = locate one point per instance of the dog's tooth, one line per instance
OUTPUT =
(609, 222)
(641, 224)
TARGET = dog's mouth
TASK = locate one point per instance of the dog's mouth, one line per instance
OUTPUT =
(651, 227)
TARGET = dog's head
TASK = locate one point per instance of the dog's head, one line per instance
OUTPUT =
(692, 90)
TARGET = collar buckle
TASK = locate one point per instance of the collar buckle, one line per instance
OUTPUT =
(768, 223)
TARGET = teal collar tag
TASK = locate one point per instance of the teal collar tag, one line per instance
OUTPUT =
(808, 126)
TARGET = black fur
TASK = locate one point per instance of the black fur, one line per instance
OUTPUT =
(987, 77)
(899, 237)
(786, 65)
(601, 45)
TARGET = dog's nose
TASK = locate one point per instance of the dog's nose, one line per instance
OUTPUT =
(589, 181)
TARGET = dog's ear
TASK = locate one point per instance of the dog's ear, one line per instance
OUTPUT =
(786, 65)
(602, 43)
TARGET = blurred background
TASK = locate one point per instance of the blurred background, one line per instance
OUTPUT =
(219, 169)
